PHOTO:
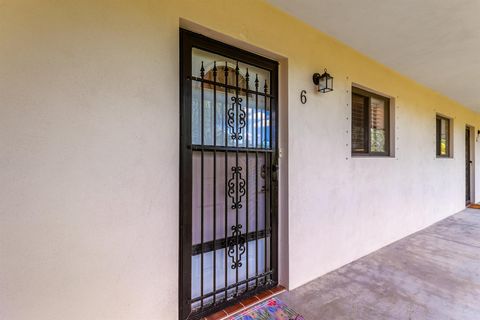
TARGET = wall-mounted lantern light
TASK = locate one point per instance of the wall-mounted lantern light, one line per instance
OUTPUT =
(478, 135)
(323, 82)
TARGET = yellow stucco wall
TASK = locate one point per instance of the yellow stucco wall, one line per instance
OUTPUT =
(89, 151)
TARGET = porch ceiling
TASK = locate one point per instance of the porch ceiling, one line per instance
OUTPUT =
(436, 43)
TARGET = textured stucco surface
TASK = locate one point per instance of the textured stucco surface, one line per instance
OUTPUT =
(432, 274)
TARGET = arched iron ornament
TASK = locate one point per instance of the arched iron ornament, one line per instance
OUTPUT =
(236, 246)
(236, 187)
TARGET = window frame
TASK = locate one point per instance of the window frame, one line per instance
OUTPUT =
(367, 95)
(449, 148)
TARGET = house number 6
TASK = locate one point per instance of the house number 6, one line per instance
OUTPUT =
(303, 96)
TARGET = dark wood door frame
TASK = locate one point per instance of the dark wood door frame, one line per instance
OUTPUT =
(469, 164)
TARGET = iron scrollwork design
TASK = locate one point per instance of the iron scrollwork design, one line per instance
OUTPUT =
(236, 243)
(236, 188)
(236, 126)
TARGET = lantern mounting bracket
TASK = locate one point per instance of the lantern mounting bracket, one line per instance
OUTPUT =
(316, 78)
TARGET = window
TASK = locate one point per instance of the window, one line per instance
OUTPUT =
(443, 137)
(370, 123)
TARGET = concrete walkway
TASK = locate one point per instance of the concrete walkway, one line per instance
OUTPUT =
(432, 274)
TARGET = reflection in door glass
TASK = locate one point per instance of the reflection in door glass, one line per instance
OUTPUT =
(241, 117)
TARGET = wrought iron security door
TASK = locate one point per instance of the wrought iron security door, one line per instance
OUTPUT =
(228, 175)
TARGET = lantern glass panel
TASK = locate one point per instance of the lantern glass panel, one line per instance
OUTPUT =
(323, 83)
(329, 83)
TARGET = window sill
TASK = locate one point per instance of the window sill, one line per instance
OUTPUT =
(369, 156)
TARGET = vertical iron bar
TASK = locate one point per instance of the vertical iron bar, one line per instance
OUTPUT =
(267, 173)
(270, 190)
(237, 127)
(226, 181)
(273, 162)
(264, 120)
(214, 182)
(256, 181)
(262, 138)
(247, 132)
(202, 74)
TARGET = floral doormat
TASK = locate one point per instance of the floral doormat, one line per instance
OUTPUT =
(272, 309)
(474, 206)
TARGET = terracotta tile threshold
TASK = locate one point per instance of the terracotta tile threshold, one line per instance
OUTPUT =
(245, 304)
